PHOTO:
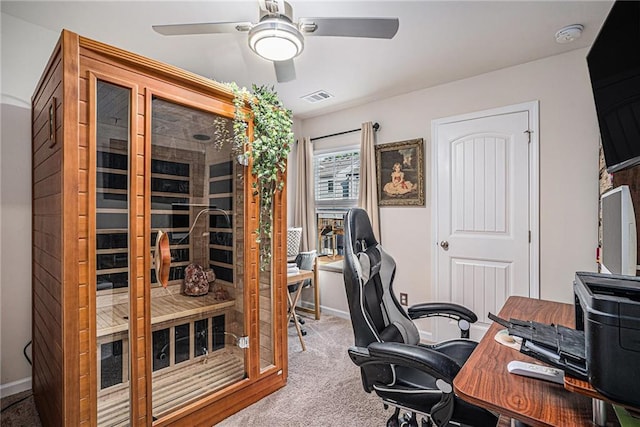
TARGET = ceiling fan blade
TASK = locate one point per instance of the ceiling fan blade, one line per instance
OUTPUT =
(202, 28)
(377, 28)
(285, 71)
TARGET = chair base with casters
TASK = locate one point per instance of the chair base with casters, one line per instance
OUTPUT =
(404, 373)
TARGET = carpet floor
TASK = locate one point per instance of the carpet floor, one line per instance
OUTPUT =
(323, 388)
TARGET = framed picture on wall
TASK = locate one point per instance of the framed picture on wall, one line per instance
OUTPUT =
(400, 173)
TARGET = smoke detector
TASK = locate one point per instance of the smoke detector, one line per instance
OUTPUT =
(569, 33)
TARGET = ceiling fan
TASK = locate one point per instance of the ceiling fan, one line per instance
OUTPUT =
(277, 38)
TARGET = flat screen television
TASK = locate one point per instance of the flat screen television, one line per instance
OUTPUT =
(619, 246)
(614, 69)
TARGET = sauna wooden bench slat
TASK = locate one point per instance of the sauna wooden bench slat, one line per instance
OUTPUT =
(114, 318)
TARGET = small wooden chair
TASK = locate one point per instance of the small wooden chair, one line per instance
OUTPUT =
(306, 262)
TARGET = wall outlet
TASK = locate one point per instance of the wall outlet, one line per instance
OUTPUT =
(403, 299)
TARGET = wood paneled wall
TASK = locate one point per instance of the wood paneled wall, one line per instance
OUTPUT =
(47, 246)
(55, 267)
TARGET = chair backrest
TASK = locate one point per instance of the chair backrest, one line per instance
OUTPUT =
(294, 236)
(306, 261)
(368, 273)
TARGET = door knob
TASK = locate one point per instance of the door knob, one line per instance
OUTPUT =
(445, 245)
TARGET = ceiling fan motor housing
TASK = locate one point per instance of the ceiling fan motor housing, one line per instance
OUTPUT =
(272, 8)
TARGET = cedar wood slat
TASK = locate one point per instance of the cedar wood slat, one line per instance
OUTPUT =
(48, 330)
(143, 145)
(50, 287)
(45, 151)
(64, 383)
(48, 186)
(46, 283)
(69, 144)
(52, 202)
(88, 140)
(45, 241)
(47, 225)
(48, 167)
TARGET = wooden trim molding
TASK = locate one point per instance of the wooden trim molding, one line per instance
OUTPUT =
(152, 66)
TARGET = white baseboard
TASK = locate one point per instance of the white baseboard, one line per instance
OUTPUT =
(334, 312)
(326, 310)
(15, 387)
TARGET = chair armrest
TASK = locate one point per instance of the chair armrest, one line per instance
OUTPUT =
(442, 309)
(433, 363)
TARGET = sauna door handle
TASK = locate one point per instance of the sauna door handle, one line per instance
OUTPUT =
(162, 258)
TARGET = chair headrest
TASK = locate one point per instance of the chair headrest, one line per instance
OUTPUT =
(370, 261)
(361, 242)
(359, 231)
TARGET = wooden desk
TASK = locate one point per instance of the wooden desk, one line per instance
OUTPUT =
(300, 276)
(313, 275)
(291, 279)
(485, 381)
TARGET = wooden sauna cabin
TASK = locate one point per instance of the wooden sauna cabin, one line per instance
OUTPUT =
(124, 149)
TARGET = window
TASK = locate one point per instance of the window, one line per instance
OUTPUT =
(337, 180)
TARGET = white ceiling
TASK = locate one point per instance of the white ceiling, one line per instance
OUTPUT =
(437, 42)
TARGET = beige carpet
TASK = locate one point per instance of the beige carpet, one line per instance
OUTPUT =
(18, 410)
(323, 388)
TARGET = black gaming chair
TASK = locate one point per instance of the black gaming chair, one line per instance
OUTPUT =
(404, 373)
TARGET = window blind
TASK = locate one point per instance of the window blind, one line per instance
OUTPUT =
(337, 179)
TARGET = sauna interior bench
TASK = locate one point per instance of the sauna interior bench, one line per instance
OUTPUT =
(112, 319)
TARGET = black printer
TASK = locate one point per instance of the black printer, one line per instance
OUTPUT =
(608, 311)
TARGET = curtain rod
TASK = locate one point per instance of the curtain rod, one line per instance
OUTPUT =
(376, 126)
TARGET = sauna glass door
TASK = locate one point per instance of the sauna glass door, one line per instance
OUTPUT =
(197, 274)
(112, 252)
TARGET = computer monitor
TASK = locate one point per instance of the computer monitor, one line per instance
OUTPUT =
(618, 252)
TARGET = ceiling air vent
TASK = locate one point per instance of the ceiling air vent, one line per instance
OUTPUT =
(317, 96)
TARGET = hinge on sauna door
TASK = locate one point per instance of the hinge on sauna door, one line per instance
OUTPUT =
(528, 132)
(243, 342)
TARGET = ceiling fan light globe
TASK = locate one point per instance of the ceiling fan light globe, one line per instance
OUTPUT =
(276, 48)
(276, 40)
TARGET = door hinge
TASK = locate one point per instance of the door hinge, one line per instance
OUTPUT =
(529, 236)
(243, 342)
(528, 132)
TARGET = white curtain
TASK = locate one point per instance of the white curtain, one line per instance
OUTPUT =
(304, 208)
(368, 196)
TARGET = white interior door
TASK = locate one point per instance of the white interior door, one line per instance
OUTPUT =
(483, 206)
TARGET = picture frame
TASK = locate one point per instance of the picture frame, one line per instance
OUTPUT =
(400, 173)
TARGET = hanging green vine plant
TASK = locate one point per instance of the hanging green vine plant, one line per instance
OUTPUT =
(272, 139)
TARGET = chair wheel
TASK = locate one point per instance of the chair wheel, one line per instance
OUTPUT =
(303, 332)
(408, 420)
(393, 421)
(300, 320)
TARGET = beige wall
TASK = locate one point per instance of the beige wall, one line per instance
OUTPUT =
(568, 164)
